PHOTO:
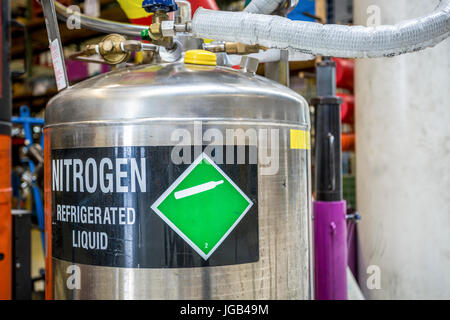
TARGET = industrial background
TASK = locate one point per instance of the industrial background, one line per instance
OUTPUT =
(359, 208)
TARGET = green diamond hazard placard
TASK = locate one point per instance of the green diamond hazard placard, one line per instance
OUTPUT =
(203, 206)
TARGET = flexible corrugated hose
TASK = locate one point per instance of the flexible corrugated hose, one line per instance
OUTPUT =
(326, 40)
(305, 37)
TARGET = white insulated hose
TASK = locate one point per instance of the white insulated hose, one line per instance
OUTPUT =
(326, 40)
(263, 6)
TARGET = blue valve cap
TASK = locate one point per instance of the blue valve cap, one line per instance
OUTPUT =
(152, 6)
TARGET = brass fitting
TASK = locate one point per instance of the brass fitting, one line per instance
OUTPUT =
(111, 51)
(233, 48)
(240, 48)
(156, 30)
(115, 49)
(89, 50)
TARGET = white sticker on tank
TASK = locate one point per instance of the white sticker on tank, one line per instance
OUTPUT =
(58, 65)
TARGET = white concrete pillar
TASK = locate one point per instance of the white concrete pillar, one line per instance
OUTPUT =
(403, 162)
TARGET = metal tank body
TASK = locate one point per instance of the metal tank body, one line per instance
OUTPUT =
(142, 107)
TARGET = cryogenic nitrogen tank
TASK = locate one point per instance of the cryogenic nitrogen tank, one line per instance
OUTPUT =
(178, 181)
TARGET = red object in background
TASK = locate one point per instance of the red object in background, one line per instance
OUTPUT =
(348, 141)
(37, 8)
(344, 73)
(48, 218)
(142, 21)
(195, 4)
(205, 4)
(18, 141)
(1, 56)
(347, 108)
(5, 164)
(5, 218)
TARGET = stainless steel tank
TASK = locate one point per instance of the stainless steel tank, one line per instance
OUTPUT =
(115, 230)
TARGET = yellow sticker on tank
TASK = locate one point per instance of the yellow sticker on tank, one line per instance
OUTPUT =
(300, 139)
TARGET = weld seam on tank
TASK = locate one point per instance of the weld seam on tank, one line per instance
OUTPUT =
(105, 123)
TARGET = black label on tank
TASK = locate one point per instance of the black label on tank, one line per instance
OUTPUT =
(155, 207)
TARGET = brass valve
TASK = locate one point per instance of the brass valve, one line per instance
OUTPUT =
(162, 31)
(110, 49)
(233, 48)
(240, 48)
(114, 49)
(156, 31)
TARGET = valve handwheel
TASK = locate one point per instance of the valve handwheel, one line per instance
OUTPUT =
(156, 5)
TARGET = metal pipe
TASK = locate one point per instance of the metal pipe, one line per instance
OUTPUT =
(101, 25)
(308, 38)
(56, 49)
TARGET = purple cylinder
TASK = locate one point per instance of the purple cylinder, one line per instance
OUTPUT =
(330, 253)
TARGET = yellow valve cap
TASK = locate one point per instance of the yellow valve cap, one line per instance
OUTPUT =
(201, 57)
